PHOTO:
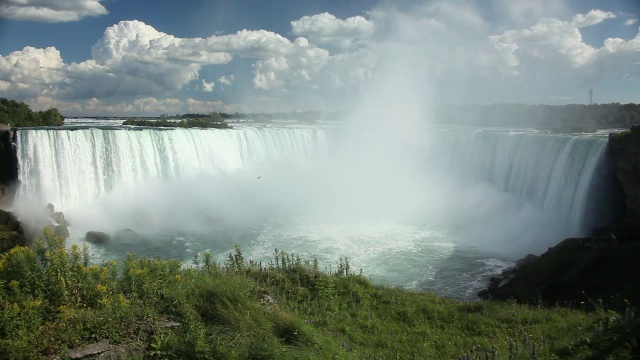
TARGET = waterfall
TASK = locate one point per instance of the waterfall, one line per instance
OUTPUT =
(68, 167)
(567, 175)
(564, 181)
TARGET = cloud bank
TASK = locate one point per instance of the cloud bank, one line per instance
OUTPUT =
(50, 10)
(329, 60)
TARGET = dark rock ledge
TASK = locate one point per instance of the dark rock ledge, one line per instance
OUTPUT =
(11, 232)
(575, 271)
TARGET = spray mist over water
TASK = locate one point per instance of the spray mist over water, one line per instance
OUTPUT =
(377, 167)
(202, 190)
(407, 202)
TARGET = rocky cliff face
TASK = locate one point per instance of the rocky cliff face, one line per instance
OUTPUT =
(8, 165)
(625, 152)
(573, 272)
(11, 232)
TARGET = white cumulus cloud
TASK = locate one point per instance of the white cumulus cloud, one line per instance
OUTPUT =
(250, 43)
(593, 17)
(31, 72)
(549, 41)
(207, 86)
(618, 53)
(226, 79)
(51, 10)
(135, 59)
(135, 40)
(297, 68)
(331, 59)
(555, 45)
(630, 22)
(326, 29)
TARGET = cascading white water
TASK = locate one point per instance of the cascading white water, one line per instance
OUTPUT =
(68, 168)
(567, 175)
(444, 220)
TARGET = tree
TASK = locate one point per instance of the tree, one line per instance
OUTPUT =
(19, 114)
(216, 117)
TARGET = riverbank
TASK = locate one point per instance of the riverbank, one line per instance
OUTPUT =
(54, 303)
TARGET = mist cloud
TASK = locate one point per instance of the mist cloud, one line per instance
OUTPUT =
(207, 86)
(327, 30)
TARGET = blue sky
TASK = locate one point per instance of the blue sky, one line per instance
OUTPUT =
(117, 57)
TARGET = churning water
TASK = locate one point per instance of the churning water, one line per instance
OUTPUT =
(472, 202)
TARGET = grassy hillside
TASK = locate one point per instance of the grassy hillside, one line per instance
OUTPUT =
(53, 300)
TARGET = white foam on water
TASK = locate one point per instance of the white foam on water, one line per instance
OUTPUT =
(428, 217)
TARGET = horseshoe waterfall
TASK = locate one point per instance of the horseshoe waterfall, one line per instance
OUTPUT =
(481, 199)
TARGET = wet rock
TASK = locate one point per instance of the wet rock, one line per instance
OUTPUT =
(625, 152)
(126, 236)
(168, 324)
(97, 237)
(526, 261)
(49, 209)
(51, 218)
(8, 165)
(572, 272)
(90, 350)
(11, 232)
(61, 230)
(124, 351)
(58, 217)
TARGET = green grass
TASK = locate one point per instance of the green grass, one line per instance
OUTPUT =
(52, 300)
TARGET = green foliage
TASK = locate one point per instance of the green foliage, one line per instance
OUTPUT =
(52, 299)
(213, 120)
(20, 115)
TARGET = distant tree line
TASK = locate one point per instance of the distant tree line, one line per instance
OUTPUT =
(193, 116)
(293, 115)
(543, 117)
(18, 114)
(213, 120)
(572, 117)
